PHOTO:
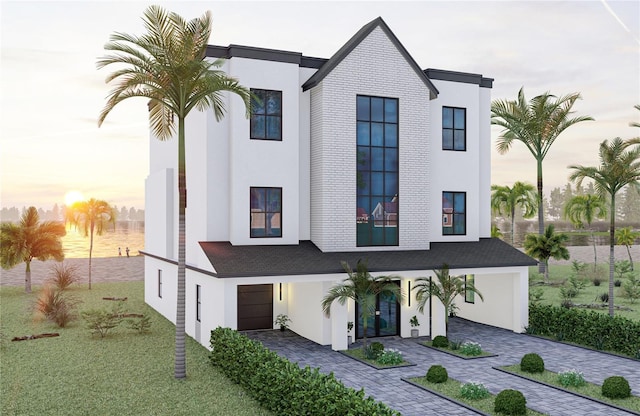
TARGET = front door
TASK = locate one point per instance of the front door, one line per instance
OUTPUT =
(385, 321)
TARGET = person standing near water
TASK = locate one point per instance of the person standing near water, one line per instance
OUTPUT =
(127, 250)
(119, 252)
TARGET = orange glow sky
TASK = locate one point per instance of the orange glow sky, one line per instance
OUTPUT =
(51, 93)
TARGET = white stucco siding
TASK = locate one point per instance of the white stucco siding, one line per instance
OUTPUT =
(374, 68)
(484, 211)
(159, 216)
(264, 163)
(165, 300)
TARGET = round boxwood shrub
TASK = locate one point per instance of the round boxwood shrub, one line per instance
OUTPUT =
(440, 342)
(510, 402)
(374, 350)
(616, 387)
(437, 374)
(532, 363)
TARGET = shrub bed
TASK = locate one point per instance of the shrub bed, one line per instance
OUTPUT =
(589, 328)
(283, 387)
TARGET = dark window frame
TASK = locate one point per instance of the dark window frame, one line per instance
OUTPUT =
(469, 296)
(453, 129)
(265, 213)
(160, 283)
(452, 215)
(198, 303)
(261, 95)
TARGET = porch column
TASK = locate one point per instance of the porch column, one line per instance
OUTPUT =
(339, 316)
(438, 324)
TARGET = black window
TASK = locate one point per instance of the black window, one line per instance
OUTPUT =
(454, 128)
(266, 115)
(454, 209)
(266, 212)
(469, 295)
(159, 283)
(198, 302)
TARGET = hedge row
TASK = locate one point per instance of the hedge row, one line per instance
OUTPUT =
(589, 328)
(281, 386)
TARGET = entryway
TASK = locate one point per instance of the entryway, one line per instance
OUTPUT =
(255, 307)
(386, 318)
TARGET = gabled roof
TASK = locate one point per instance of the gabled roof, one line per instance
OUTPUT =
(346, 49)
(305, 258)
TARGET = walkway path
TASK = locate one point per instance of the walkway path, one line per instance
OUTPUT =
(386, 386)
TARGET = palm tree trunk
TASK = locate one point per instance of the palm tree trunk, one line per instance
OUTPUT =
(612, 231)
(541, 265)
(595, 251)
(180, 369)
(629, 253)
(513, 223)
(90, 251)
(27, 277)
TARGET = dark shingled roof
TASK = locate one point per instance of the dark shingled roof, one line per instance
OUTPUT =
(351, 44)
(306, 258)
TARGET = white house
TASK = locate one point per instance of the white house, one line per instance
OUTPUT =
(360, 156)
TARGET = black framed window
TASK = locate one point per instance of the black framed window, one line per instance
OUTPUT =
(266, 212)
(454, 209)
(198, 302)
(159, 283)
(469, 295)
(266, 115)
(377, 171)
(454, 128)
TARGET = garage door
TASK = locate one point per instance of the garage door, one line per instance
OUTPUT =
(255, 307)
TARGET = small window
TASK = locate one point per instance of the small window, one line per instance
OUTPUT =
(266, 212)
(454, 208)
(198, 302)
(159, 283)
(454, 128)
(469, 295)
(266, 115)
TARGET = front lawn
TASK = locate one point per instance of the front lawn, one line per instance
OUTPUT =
(124, 373)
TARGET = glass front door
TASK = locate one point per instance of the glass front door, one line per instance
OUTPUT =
(385, 321)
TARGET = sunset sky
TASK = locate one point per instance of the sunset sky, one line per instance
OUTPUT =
(51, 92)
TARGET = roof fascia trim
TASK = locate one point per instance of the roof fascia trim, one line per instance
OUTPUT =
(263, 54)
(454, 76)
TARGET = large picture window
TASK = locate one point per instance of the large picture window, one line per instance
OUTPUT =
(266, 212)
(266, 115)
(454, 128)
(454, 209)
(377, 171)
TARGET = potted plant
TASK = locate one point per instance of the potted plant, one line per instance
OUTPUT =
(283, 320)
(414, 324)
(349, 328)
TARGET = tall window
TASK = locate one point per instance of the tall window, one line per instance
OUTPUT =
(266, 115)
(454, 208)
(454, 131)
(266, 212)
(198, 302)
(159, 283)
(377, 171)
(469, 295)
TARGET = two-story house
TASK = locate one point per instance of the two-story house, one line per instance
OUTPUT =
(360, 156)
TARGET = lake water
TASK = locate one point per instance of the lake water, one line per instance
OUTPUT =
(126, 234)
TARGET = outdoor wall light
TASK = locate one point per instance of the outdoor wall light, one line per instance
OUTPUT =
(280, 292)
(409, 292)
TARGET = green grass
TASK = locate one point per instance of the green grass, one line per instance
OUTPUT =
(358, 354)
(451, 389)
(588, 295)
(123, 374)
(457, 353)
(590, 389)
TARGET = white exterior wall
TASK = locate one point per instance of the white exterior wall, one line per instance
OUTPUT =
(484, 210)
(459, 171)
(374, 68)
(160, 229)
(304, 160)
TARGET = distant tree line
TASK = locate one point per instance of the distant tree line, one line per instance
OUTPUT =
(57, 213)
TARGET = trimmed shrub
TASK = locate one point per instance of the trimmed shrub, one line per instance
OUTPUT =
(281, 386)
(532, 363)
(596, 281)
(616, 387)
(440, 342)
(374, 350)
(437, 374)
(510, 402)
(617, 283)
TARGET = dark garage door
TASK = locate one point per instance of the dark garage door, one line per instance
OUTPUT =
(255, 307)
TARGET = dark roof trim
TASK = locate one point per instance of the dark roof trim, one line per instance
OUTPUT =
(175, 263)
(274, 55)
(351, 44)
(464, 77)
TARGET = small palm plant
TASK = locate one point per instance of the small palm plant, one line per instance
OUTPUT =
(626, 237)
(543, 247)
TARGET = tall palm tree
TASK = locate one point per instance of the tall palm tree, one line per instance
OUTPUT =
(445, 288)
(506, 198)
(537, 124)
(585, 208)
(363, 288)
(168, 66)
(545, 246)
(626, 237)
(30, 239)
(634, 123)
(93, 216)
(619, 167)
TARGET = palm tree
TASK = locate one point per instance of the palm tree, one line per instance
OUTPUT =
(545, 246)
(30, 239)
(626, 237)
(508, 199)
(634, 123)
(495, 231)
(585, 208)
(363, 288)
(168, 67)
(445, 288)
(619, 167)
(537, 124)
(93, 216)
